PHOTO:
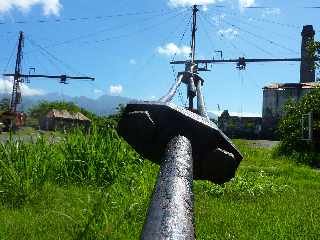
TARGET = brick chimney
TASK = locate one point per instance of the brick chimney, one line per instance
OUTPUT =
(307, 72)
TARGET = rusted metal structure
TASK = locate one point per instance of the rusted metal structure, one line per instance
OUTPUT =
(18, 79)
(186, 144)
(275, 95)
(160, 131)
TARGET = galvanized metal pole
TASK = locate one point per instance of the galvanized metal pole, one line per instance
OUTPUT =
(200, 101)
(192, 91)
(170, 214)
(191, 85)
(168, 97)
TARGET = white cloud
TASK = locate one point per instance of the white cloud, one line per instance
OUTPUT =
(172, 49)
(271, 12)
(6, 87)
(229, 33)
(185, 3)
(205, 8)
(246, 3)
(238, 114)
(218, 19)
(115, 89)
(97, 91)
(133, 61)
(49, 6)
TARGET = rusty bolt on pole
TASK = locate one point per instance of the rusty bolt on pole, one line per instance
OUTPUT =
(170, 214)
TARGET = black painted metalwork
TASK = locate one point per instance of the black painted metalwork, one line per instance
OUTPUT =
(186, 144)
(149, 126)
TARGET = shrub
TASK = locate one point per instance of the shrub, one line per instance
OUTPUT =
(290, 128)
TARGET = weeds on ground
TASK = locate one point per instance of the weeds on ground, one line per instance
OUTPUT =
(86, 159)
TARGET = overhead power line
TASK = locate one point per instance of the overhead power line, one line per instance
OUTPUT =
(10, 58)
(114, 28)
(259, 37)
(262, 38)
(73, 19)
(265, 7)
(52, 56)
(95, 33)
(182, 36)
(261, 19)
(251, 43)
(248, 21)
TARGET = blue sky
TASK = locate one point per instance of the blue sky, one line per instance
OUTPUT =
(127, 45)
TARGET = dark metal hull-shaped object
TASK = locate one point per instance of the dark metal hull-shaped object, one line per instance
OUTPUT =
(149, 126)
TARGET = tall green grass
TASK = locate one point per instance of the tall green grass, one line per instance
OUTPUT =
(94, 186)
(85, 159)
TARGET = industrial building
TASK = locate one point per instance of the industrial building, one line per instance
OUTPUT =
(276, 95)
(240, 126)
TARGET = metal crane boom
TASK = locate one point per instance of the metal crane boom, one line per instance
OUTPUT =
(15, 95)
(248, 60)
(19, 77)
(62, 78)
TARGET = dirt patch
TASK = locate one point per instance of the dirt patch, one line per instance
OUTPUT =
(263, 143)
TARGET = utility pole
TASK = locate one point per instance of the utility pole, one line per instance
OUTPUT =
(194, 30)
(16, 91)
(195, 82)
(19, 77)
(192, 91)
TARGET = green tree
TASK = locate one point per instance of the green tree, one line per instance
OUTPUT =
(42, 109)
(4, 104)
(290, 128)
(314, 49)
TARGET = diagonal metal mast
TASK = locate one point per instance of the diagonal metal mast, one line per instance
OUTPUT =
(15, 96)
(19, 77)
(195, 82)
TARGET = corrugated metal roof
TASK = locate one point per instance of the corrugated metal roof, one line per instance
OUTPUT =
(54, 113)
(281, 86)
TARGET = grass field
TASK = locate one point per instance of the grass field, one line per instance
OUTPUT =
(96, 187)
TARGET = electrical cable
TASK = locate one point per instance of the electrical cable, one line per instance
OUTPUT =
(271, 21)
(260, 37)
(149, 59)
(117, 27)
(238, 18)
(93, 34)
(53, 56)
(140, 30)
(207, 35)
(10, 58)
(72, 19)
(182, 37)
(222, 36)
(184, 103)
(35, 56)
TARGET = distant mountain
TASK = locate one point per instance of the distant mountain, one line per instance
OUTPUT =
(104, 105)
